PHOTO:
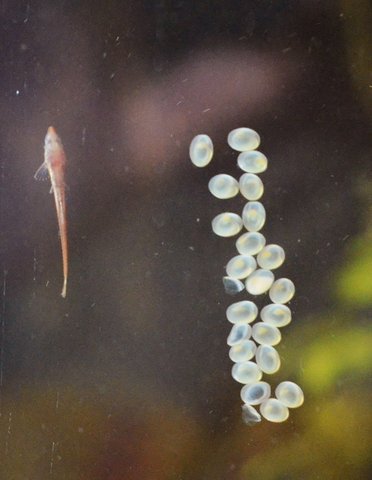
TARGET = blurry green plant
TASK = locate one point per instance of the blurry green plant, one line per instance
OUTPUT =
(354, 287)
(353, 284)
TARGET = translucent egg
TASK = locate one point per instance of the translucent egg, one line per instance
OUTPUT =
(259, 281)
(242, 312)
(223, 186)
(252, 162)
(255, 393)
(246, 372)
(251, 186)
(241, 266)
(250, 243)
(243, 139)
(227, 224)
(276, 314)
(243, 351)
(232, 286)
(201, 150)
(250, 415)
(282, 290)
(267, 359)
(254, 216)
(266, 334)
(290, 394)
(239, 332)
(271, 257)
(274, 410)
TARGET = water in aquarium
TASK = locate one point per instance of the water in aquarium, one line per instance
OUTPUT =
(185, 240)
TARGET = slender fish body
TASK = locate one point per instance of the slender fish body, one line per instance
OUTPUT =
(54, 164)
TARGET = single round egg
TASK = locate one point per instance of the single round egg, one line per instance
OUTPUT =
(254, 216)
(252, 162)
(290, 394)
(250, 416)
(227, 224)
(271, 257)
(232, 286)
(201, 150)
(223, 186)
(250, 243)
(282, 291)
(251, 186)
(241, 266)
(274, 410)
(276, 314)
(266, 334)
(238, 333)
(243, 351)
(267, 359)
(246, 372)
(255, 393)
(243, 139)
(259, 281)
(244, 311)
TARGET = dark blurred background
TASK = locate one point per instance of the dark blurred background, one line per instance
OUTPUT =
(129, 377)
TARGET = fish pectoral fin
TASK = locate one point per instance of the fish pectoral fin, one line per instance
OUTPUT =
(51, 189)
(41, 172)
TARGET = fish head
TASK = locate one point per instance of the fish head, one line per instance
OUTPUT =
(52, 140)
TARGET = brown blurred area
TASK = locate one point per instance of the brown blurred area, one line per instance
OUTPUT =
(129, 377)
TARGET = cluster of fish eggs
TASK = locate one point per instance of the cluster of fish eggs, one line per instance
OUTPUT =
(252, 342)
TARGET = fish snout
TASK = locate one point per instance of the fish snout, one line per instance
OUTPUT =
(52, 139)
(51, 131)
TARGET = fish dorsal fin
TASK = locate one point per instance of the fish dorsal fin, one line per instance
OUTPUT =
(42, 172)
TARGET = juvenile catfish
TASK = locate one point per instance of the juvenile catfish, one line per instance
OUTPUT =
(54, 164)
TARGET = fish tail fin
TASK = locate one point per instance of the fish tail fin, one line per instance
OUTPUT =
(64, 288)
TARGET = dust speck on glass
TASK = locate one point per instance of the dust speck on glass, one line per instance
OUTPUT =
(251, 347)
